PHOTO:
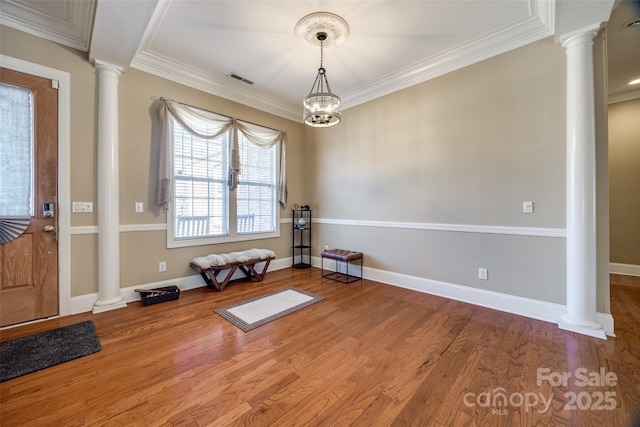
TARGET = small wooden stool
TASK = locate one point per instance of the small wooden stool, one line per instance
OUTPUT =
(341, 255)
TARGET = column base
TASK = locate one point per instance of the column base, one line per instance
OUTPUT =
(593, 329)
(106, 305)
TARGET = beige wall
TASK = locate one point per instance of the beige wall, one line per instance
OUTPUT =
(466, 148)
(83, 100)
(624, 181)
(140, 251)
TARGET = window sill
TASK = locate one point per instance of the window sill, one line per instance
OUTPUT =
(186, 243)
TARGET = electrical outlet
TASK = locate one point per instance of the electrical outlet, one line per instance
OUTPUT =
(527, 207)
(326, 247)
(483, 274)
(139, 207)
(162, 266)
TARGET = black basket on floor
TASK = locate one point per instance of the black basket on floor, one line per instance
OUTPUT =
(168, 293)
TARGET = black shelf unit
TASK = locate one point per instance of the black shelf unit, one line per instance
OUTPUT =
(301, 238)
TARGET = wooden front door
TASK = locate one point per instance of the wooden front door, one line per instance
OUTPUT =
(29, 263)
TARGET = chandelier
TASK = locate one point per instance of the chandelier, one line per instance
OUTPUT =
(321, 106)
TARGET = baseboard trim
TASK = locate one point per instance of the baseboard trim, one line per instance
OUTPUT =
(84, 303)
(625, 269)
(593, 329)
(527, 307)
(535, 309)
(606, 321)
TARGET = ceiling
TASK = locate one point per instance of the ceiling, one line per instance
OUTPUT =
(392, 44)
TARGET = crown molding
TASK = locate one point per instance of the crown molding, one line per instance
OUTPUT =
(224, 88)
(72, 29)
(545, 11)
(624, 96)
(157, 65)
(517, 35)
(538, 25)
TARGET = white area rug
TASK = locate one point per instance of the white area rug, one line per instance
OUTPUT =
(250, 314)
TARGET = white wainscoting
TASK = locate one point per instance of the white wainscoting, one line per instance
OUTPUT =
(540, 310)
(527, 307)
(460, 228)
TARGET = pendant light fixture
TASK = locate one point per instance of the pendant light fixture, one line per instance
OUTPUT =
(321, 106)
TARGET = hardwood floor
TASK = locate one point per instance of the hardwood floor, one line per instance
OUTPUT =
(375, 355)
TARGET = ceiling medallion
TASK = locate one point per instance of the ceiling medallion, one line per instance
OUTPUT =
(336, 29)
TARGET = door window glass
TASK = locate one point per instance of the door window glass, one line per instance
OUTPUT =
(16, 151)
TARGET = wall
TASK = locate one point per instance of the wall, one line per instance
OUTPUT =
(141, 251)
(424, 181)
(624, 182)
(428, 182)
(143, 243)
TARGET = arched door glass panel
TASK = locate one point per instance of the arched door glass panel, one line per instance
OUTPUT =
(16, 161)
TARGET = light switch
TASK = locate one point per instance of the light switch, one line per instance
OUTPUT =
(82, 207)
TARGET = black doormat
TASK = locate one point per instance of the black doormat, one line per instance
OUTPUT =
(33, 353)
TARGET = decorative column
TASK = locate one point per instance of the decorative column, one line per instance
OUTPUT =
(581, 187)
(109, 296)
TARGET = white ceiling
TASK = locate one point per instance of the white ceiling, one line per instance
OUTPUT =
(623, 50)
(392, 44)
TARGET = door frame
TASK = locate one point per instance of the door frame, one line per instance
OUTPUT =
(64, 167)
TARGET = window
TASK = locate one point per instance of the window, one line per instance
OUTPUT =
(205, 210)
(16, 151)
(256, 188)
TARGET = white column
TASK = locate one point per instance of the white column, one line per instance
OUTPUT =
(581, 187)
(109, 296)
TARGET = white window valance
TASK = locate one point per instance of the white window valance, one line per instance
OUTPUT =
(217, 125)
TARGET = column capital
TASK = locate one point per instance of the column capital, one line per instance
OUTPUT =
(106, 66)
(582, 35)
(574, 17)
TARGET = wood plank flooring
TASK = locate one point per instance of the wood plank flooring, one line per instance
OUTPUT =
(370, 355)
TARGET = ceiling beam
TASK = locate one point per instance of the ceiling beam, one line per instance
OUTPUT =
(118, 30)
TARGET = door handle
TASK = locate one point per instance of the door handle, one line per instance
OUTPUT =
(49, 228)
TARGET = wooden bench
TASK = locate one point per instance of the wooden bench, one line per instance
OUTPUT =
(344, 256)
(210, 266)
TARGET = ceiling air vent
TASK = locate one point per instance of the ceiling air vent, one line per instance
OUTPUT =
(242, 79)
